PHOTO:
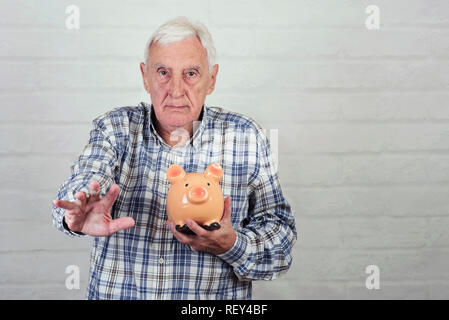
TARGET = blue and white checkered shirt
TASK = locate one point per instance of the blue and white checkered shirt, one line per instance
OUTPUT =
(147, 261)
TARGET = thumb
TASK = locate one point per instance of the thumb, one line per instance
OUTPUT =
(227, 210)
(121, 224)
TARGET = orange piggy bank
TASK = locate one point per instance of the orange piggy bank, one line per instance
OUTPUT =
(195, 196)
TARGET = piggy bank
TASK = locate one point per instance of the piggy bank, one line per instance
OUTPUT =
(195, 196)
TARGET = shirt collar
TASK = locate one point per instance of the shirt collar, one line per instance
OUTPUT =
(198, 127)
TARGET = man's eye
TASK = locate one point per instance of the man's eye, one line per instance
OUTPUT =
(163, 72)
(191, 73)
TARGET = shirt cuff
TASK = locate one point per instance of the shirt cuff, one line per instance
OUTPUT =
(237, 255)
(66, 227)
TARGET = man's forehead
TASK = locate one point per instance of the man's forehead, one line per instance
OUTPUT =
(184, 53)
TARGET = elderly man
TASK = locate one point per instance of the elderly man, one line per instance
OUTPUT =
(118, 187)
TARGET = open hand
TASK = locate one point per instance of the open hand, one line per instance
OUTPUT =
(91, 214)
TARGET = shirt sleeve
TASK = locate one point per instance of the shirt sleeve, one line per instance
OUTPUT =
(98, 161)
(263, 247)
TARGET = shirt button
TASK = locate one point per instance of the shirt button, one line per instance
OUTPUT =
(161, 260)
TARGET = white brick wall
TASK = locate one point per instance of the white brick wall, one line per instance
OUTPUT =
(362, 119)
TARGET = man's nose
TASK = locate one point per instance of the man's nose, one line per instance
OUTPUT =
(176, 87)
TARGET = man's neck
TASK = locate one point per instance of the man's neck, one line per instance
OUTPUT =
(174, 135)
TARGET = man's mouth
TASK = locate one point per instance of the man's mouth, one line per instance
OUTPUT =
(177, 107)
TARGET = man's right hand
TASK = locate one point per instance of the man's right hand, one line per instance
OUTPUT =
(91, 214)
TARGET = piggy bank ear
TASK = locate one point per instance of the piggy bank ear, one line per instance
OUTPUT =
(214, 171)
(175, 173)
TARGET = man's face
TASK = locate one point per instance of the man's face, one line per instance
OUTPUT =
(178, 80)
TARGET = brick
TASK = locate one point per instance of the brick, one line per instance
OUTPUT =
(43, 267)
(318, 233)
(407, 13)
(381, 107)
(32, 206)
(285, 290)
(424, 264)
(389, 291)
(417, 75)
(289, 14)
(438, 236)
(333, 202)
(439, 43)
(330, 137)
(21, 174)
(46, 139)
(17, 138)
(414, 137)
(437, 167)
(295, 107)
(29, 236)
(41, 292)
(378, 169)
(439, 290)
(52, 106)
(384, 233)
(337, 75)
(70, 44)
(383, 43)
(18, 76)
(437, 108)
(310, 170)
(151, 14)
(258, 75)
(324, 265)
(280, 43)
(338, 138)
(413, 200)
(87, 75)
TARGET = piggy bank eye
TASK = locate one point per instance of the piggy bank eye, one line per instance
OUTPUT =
(187, 184)
(208, 184)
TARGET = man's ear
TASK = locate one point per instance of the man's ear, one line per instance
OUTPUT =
(213, 79)
(144, 78)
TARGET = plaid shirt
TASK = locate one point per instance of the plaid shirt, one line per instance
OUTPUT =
(147, 261)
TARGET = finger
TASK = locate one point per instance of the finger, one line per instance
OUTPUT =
(74, 212)
(227, 210)
(94, 191)
(195, 227)
(68, 205)
(121, 224)
(81, 196)
(183, 238)
(111, 195)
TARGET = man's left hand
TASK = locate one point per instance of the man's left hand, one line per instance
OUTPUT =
(217, 241)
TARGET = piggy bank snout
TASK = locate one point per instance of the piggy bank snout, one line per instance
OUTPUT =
(198, 194)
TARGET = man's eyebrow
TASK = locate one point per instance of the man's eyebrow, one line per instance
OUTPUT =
(194, 67)
(160, 65)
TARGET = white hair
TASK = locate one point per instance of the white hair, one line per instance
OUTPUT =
(179, 29)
